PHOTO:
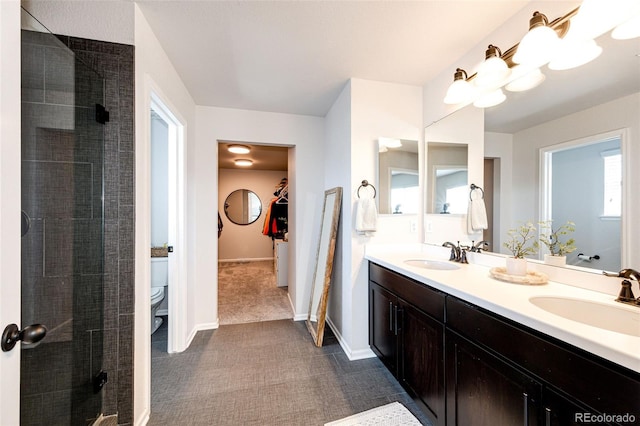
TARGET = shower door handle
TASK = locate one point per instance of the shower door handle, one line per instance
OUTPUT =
(30, 334)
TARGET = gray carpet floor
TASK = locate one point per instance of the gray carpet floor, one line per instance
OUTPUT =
(247, 292)
(265, 373)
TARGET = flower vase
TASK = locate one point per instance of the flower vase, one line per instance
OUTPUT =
(516, 266)
(550, 259)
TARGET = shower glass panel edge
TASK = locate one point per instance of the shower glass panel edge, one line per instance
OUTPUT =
(62, 247)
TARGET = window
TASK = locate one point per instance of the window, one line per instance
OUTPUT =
(458, 199)
(612, 182)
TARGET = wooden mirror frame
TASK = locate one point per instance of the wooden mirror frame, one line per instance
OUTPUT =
(324, 264)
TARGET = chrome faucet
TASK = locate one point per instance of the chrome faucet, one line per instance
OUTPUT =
(626, 294)
(477, 248)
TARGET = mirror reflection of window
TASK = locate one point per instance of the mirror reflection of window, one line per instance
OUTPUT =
(586, 190)
(398, 179)
(457, 199)
(446, 170)
(405, 192)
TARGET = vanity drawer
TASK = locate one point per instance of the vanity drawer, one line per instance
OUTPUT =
(592, 380)
(425, 298)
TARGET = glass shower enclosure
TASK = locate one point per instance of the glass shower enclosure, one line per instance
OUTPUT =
(62, 231)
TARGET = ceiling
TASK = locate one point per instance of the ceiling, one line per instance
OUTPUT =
(264, 157)
(296, 56)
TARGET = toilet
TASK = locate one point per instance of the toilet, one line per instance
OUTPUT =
(159, 279)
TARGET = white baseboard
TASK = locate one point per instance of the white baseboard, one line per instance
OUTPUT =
(253, 259)
(351, 354)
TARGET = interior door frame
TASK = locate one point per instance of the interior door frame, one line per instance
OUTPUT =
(10, 195)
(178, 290)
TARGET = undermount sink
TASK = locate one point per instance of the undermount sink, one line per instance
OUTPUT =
(621, 319)
(431, 264)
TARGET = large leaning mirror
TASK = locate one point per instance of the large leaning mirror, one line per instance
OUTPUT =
(575, 114)
(324, 264)
(242, 207)
(398, 176)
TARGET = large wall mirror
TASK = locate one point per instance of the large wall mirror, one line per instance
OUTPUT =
(242, 207)
(398, 176)
(576, 108)
(324, 264)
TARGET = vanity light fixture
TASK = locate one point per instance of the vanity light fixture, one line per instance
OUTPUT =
(243, 163)
(528, 80)
(460, 91)
(494, 71)
(539, 45)
(596, 17)
(490, 99)
(239, 149)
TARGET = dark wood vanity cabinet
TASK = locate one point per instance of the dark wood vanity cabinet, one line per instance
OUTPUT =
(495, 371)
(406, 331)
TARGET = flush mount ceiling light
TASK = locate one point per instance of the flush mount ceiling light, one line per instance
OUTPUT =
(490, 99)
(539, 45)
(494, 71)
(526, 81)
(239, 149)
(243, 163)
(460, 91)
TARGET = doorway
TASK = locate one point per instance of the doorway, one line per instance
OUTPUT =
(253, 252)
(167, 218)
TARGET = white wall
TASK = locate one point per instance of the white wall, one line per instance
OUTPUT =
(159, 183)
(155, 73)
(246, 242)
(105, 20)
(306, 161)
(364, 111)
(10, 132)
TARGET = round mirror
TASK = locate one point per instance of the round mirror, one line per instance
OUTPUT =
(242, 207)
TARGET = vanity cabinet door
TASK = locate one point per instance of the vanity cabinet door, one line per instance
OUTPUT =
(561, 411)
(383, 311)
(483, 390)
(422, 359)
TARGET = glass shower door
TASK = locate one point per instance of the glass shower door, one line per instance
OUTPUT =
(62, 232)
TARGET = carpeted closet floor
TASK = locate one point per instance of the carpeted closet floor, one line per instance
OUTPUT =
(247, 292)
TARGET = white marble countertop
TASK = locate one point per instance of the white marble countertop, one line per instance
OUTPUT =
(473, 283)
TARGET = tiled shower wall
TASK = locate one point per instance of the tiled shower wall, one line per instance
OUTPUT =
(115, 62)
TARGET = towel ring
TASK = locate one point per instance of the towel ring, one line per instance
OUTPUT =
(473, 187)
(365, 183)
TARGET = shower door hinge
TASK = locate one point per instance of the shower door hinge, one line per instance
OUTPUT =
(102, 115)
(99, 381)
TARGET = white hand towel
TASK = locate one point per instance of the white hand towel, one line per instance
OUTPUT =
(476, 213)
(366, 216)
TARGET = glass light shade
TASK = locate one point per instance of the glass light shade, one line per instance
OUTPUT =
(627, 30)
(537, 47)
(490, 99)
(596, 17)
(460, 91)
(573, 53)
(243, 163)
(390, 142)
(493, 72)
(527, 81)
(239, 149)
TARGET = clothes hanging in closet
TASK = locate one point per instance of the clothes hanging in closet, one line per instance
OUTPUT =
(276, 217)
